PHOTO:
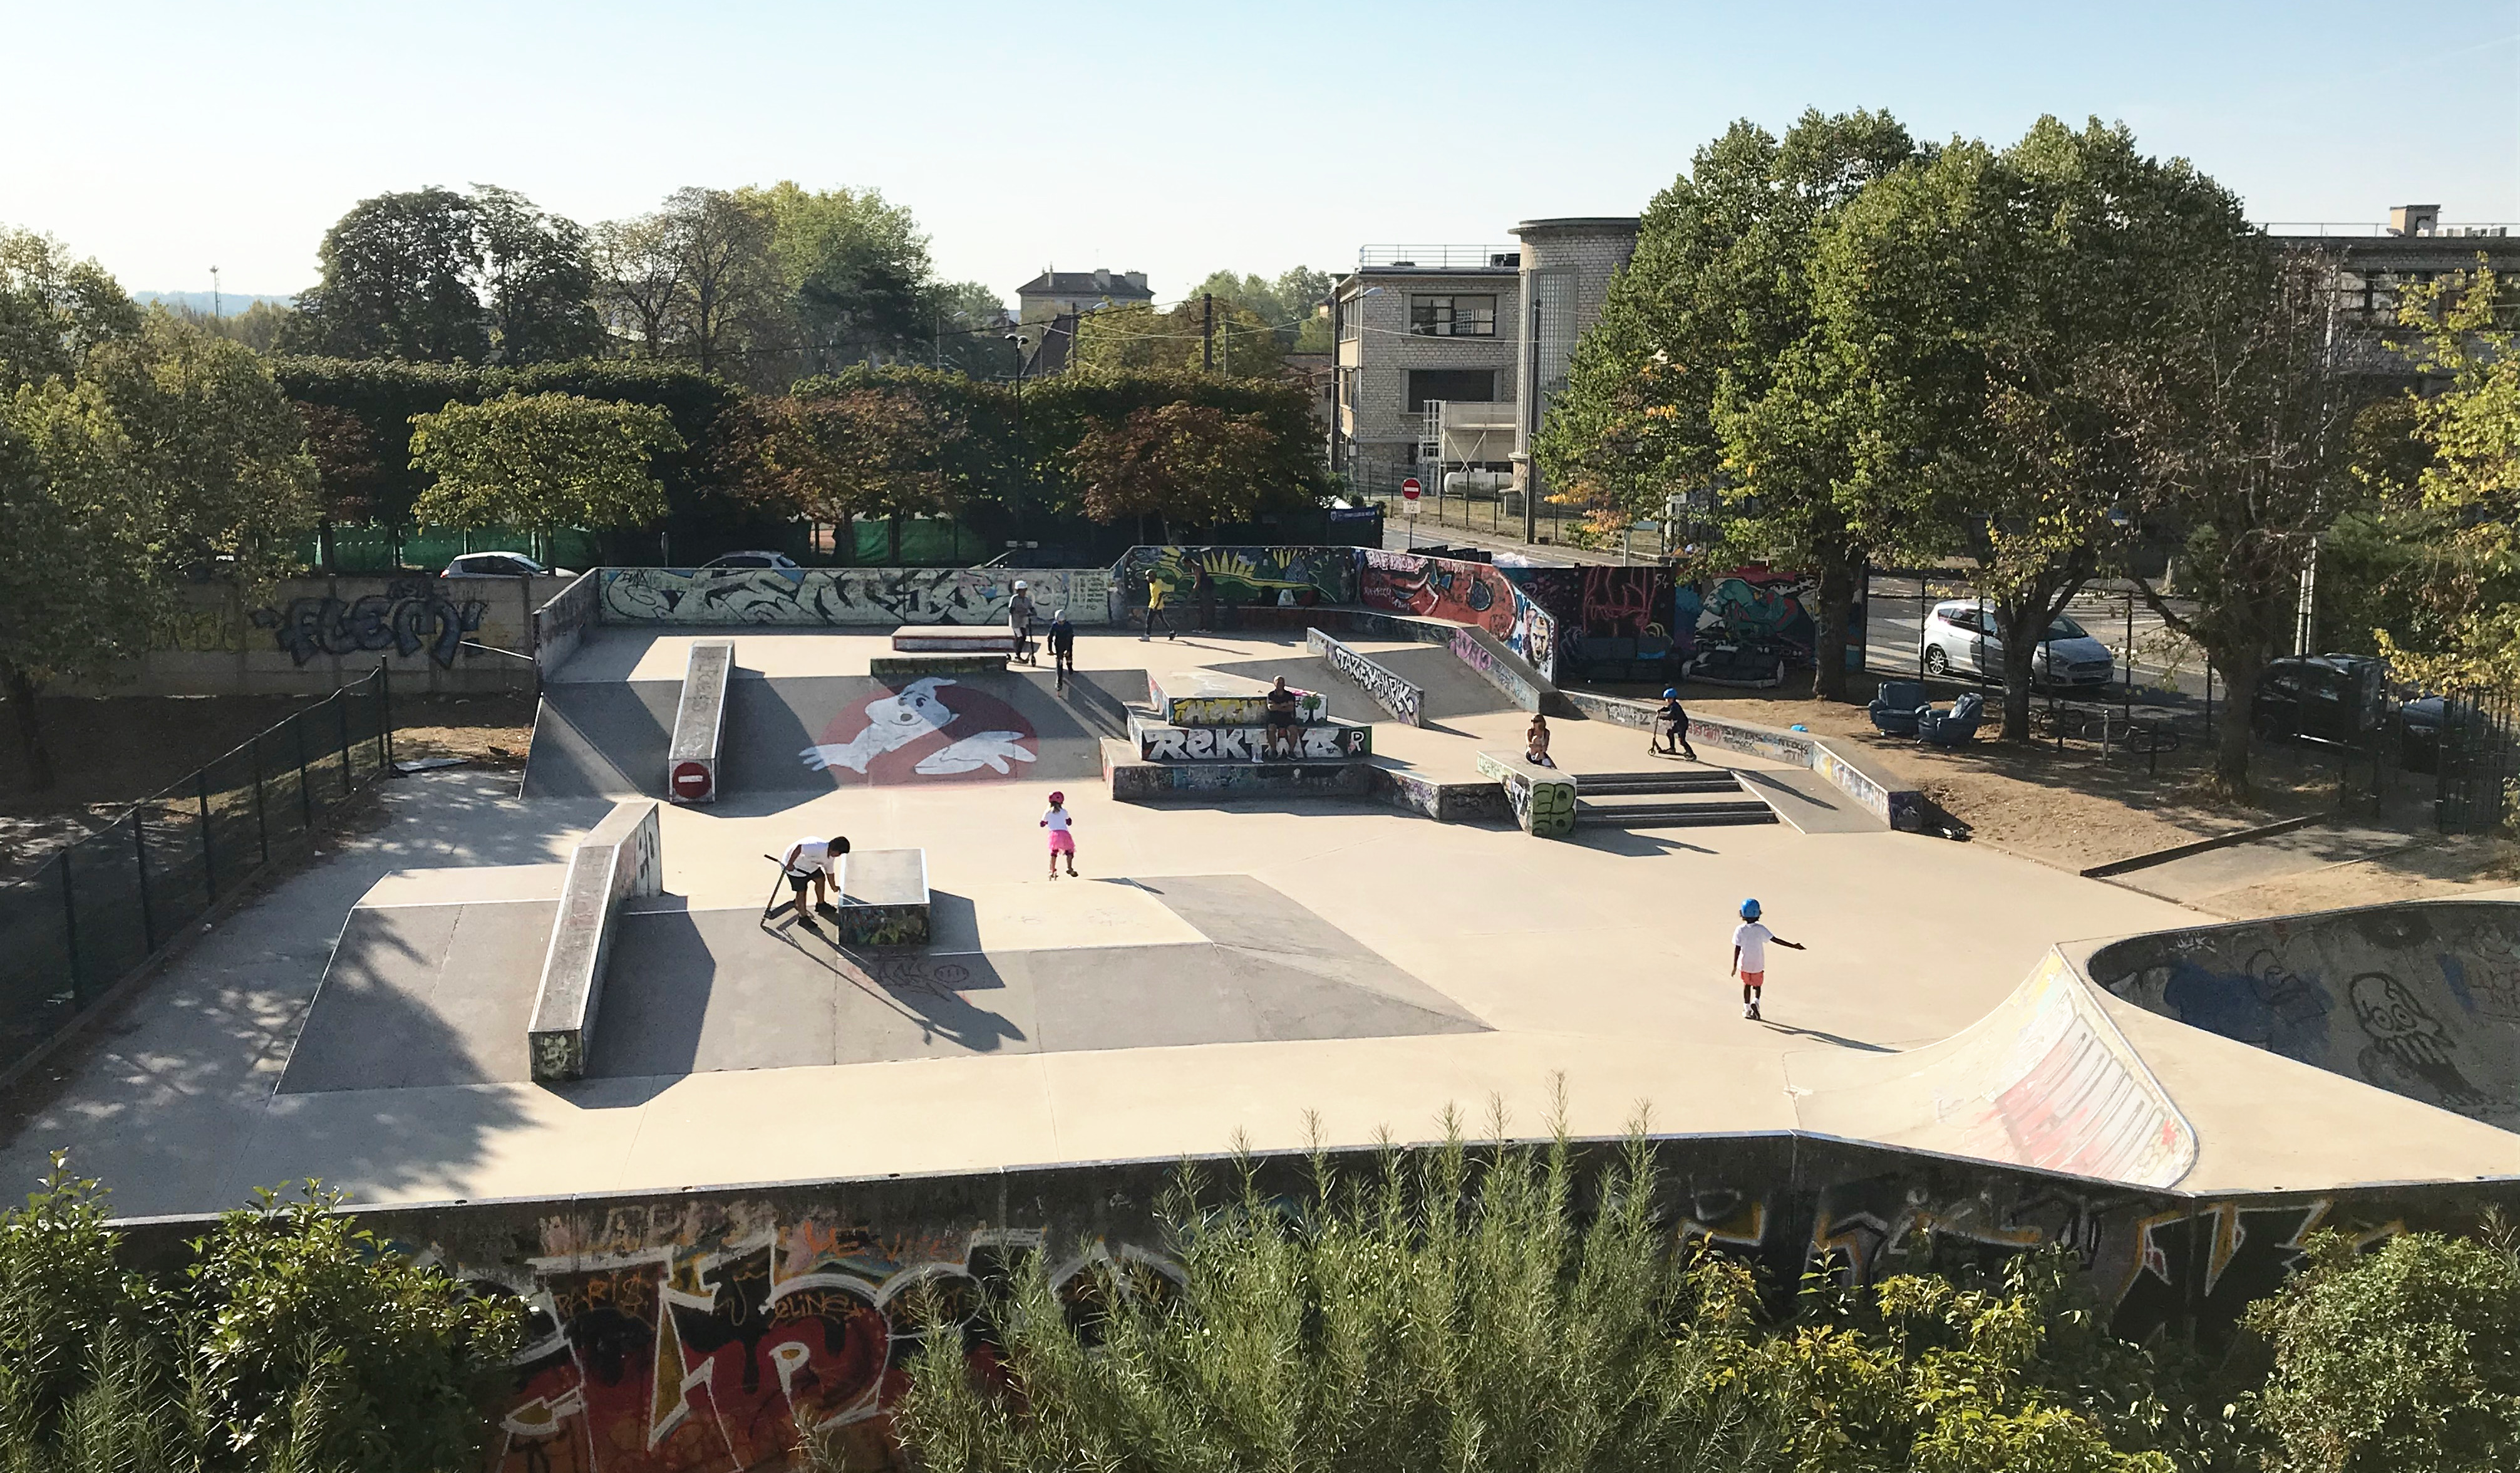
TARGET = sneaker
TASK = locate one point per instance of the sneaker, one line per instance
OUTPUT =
(1754, 1014)
(1749, 1011)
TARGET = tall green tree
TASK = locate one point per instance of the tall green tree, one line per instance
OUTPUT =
(1184, 464)
(2241, 424)
(542, 461)
(1287, 303)
(861, 452)
(1709, 376)
(2465, 485)
(52, 309)
(1982, 302)
(1223, 337)
(432, 276)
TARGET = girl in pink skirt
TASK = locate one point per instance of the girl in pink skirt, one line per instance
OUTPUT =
(1062, 839)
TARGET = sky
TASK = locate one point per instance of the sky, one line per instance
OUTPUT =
(1173, 139)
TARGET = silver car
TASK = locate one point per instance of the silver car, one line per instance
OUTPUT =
(1960, 639)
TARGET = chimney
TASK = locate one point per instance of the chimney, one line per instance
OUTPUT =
(1137, 279)
(2415, 220)
(1101, 278)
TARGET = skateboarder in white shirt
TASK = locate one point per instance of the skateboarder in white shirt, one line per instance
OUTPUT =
(1751, 942)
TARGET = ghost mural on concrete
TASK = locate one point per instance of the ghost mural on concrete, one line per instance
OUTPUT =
(931, 728)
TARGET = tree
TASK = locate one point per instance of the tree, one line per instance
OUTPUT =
(1709, 376)
(1288, 304)
(2241, 424)
(1982, 302)
(837, 457)
(639, 285)
(541, 462)
(856, 273)
(1238, 340)
(2466, 486)
(1186, 465)
(727, 284)
(54, 309)
(2404, 1360)
(432, 276)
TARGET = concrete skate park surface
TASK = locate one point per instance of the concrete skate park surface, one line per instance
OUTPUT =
(1221, 970)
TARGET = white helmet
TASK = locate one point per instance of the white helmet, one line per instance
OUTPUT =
(1020, 585)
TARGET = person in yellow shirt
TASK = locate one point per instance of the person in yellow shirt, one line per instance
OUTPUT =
(1155, 591)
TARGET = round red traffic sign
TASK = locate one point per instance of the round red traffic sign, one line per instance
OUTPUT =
(691, 781)
(1409, 489)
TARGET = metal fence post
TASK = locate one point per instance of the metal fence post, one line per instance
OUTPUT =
(261, 823)
(384, 714)
(342, 720)
(140, 852)
(69, 929)
(305, 799)
(210, 861)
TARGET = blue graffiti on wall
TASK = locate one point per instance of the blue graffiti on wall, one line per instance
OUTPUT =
(410, 616)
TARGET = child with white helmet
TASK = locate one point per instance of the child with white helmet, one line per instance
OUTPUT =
(1020, 620)
(1750, 941)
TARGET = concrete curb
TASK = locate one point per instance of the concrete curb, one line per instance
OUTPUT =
(2200, 846)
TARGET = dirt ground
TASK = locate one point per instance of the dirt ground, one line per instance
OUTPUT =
(2076, 808)
(109, 752)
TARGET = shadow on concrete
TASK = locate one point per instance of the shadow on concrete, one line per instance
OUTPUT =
(1825, 1038)
(1631, 843)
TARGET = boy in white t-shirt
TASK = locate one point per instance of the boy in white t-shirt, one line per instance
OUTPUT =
(1062, 840)
(813, 862)
(1751, 942)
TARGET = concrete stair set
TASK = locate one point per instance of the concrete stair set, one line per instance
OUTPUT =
(1667, 800)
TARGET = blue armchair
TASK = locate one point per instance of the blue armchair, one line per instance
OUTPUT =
(1957, 725)
(1895, 705)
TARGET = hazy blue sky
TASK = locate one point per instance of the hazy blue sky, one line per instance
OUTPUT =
(1172, 139)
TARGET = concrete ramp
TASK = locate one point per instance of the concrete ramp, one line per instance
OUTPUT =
(2419, 998)
(2046, 1081)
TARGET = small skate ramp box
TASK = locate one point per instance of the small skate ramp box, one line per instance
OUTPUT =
(811, 734)
(883, 898)
(1543, 798)
(691, 764)
(619, 859)
(949, 638)
(2420, 999)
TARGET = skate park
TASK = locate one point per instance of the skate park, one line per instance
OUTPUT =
(1975, 1053)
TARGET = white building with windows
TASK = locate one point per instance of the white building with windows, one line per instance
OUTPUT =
(1437, 342)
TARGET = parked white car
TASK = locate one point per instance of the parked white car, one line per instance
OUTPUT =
(500, 565)
(1960, 639)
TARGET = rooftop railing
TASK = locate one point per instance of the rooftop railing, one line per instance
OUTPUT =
(1440, 257)
(2449, 229)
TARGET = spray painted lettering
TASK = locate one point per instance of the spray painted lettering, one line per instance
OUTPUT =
(1400, 698)
(410, 616)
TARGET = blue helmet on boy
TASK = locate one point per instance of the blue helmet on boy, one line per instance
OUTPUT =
(1749, 909)
(1671, 695)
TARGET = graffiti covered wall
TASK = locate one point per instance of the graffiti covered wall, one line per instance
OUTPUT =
(1240, 576)
(705, 1331)
(1602, 603)
(311, 634)
(1466, 593)
(846, 594)
(1755, 603)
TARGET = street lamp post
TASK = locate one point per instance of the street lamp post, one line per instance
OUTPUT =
(1023, 448)
(1531, 440)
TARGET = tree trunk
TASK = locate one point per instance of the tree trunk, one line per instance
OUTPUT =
(35, 762)
(2235, 720)
(1828, 641)
(2018, 658)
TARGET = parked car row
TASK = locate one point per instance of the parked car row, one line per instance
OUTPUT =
(1960, 639)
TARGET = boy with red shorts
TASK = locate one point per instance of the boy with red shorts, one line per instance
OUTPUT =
(1750, 941)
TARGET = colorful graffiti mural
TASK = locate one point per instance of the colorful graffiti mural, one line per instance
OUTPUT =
(1752, 603)
(846, 594)
(1602, 603)
(696, 1359)
(1300, 575)
(1466, 593)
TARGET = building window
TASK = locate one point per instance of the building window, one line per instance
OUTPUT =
(1451, 386)
(1451, 316)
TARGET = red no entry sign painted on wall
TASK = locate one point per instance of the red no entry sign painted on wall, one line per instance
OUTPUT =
(691, 781)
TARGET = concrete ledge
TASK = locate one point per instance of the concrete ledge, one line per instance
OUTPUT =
(883, 898)
(700, 721)
(1849, 771)
(1210, 699)
(1507, 671)
(620, 859)
(2201, 846)
(1443, 802)
(920, 666)
(1404, 700)
(1315, 742)
(952, 638)
(1134, 780)
(1543, 798)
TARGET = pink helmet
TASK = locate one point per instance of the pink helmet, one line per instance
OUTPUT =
(1058, 799)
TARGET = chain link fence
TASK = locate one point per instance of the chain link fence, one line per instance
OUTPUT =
(93, 912)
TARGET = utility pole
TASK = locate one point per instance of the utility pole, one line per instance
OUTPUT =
(216, 313)
(1208, 332)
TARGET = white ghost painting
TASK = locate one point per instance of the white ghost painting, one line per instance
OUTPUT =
(896, 720)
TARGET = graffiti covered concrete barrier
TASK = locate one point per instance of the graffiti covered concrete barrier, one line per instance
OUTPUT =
(846, 594)
(1466, 593)
(1881, 795)
(620, 857)
(1543, 799)
(559, 626)
(308, 636)
(1302, 575)
(2421, 1000)
(1404, 701)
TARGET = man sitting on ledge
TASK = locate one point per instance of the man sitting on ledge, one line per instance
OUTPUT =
(1281, 720)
